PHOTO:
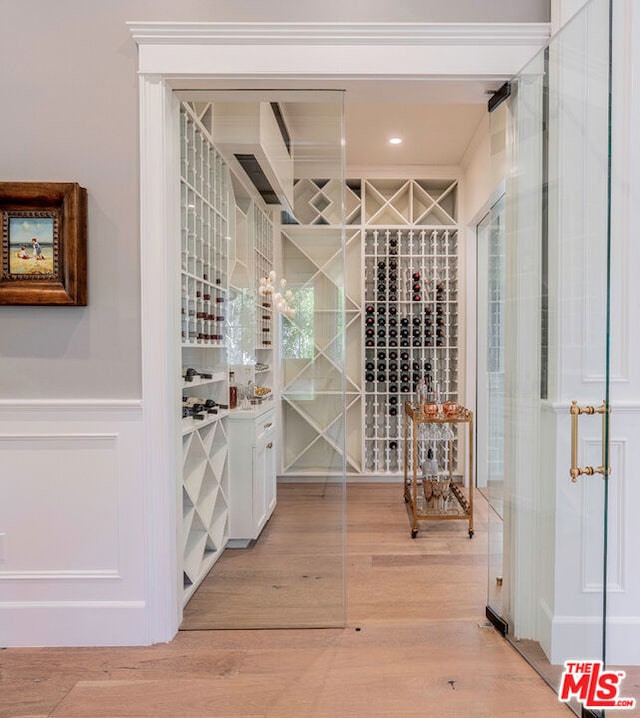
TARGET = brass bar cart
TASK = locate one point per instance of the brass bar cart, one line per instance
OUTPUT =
(457, 506)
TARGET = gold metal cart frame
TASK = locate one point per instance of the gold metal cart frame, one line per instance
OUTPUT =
(416, 417)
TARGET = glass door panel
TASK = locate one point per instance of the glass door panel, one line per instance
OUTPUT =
(490, 238)
(556, 350)
(285, 322)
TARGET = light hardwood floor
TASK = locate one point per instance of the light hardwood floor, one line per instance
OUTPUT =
(415, 642)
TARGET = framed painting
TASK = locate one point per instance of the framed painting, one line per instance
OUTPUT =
(44, 239)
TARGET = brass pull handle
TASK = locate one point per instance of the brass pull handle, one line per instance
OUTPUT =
(266, 426)
(575, 412)
(270, 445)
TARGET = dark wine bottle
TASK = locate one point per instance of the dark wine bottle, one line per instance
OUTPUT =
(369, 376)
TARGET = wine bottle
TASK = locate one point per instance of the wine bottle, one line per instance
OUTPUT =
(404, 321)
(233, 391)
(369, 376)
(369, 366)
(369, 309)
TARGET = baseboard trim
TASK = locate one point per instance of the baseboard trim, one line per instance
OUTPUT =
(73, 623)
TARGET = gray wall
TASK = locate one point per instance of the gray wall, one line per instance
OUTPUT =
(69, 113)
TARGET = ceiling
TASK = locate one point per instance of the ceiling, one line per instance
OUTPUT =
(436, 120)
(432, 134)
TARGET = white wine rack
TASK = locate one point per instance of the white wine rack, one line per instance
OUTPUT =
(413, 224)
(315, 367)
(410, 333)
(205, 194)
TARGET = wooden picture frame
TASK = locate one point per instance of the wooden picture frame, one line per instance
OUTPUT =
(43, 228)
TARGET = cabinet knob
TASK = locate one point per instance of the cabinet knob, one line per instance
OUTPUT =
(270, 445)
(266, 426)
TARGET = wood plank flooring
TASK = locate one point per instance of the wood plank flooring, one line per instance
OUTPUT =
(415, 642)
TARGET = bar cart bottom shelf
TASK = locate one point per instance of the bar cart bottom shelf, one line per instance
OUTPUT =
(453, 507)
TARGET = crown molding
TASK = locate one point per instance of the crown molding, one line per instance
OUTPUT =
(272, 33)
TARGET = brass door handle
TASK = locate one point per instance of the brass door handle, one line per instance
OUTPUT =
(575, 412)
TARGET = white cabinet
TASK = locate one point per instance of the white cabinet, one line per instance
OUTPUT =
(252, 471)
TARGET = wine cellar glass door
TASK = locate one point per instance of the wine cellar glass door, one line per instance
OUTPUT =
(562, 538)
(263, 321)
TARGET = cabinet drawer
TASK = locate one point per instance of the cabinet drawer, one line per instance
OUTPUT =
(266, 424)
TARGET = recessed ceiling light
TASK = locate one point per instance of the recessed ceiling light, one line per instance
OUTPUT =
(395, 141)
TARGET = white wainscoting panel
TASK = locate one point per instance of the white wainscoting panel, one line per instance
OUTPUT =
(72, 568)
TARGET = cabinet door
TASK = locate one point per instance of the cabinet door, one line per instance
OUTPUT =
(270, 473)
(264, 479)
(260, 454)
